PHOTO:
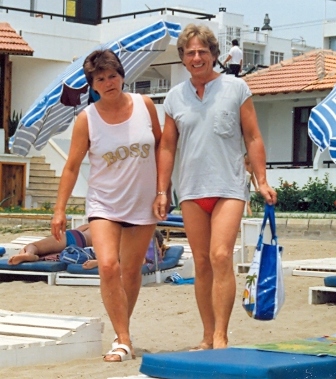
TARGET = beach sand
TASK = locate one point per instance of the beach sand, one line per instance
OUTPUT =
(166, 317)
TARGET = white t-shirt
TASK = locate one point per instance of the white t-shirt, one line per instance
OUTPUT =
(236, 55)
(210, 159)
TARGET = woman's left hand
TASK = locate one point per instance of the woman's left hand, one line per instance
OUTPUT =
(160, 206)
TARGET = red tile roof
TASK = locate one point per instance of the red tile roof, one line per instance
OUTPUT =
(11, 42)
(312, 71)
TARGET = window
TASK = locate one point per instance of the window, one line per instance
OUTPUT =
(252, 57)
(84, 11)
(142, 86)
(302, 144)
(225, 40)
(163, 83)
(276, 57)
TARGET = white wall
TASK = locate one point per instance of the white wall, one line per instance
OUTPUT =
(30, 77)
(279, 45)
(225, 19)
(275, 122)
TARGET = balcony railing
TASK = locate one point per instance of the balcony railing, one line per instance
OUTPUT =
(289, 164)
(151, 90)
(64, 17)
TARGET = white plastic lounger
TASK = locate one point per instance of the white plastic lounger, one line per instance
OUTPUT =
(321, 267)
(322, 295)
(185, 268)
(32, 338)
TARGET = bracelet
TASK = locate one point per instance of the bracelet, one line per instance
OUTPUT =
(161, 193)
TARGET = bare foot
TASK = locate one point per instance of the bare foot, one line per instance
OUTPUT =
(202, 346)
(22, 257)
(220, 343)
(92, 263)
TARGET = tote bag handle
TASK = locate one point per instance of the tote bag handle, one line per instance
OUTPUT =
(269, 214)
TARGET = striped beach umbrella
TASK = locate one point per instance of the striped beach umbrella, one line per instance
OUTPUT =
(322, 124)
(53, 111)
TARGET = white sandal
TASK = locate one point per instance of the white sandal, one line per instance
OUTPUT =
(115, 342)
(124, 353)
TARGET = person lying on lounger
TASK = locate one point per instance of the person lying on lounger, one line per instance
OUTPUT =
(161, 248)
(49, 248)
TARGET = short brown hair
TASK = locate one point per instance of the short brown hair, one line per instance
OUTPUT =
(100, 60)
(204, 34)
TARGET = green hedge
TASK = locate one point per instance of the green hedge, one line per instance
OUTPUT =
(315, 196)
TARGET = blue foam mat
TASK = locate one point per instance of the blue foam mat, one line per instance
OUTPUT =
(237, 363)
(45, 266)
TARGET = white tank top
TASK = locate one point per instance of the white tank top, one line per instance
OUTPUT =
(122, 179)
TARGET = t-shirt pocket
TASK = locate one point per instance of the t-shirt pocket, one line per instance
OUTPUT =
(224, 124)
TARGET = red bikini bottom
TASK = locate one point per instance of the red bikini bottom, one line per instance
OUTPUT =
(207, 203)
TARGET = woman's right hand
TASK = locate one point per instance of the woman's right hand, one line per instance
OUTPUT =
(58, 225)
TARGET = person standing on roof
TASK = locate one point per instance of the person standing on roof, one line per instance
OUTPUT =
(236, 58)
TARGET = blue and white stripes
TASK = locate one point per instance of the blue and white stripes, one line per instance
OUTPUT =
(48, 116)
(322, 124)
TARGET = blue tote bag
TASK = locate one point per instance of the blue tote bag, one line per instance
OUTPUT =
(264, 292)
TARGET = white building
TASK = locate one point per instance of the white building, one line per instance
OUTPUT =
(57, 42)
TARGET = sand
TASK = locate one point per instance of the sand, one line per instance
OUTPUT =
(166, 317)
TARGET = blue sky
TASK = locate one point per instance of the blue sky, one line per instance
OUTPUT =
(289, 18)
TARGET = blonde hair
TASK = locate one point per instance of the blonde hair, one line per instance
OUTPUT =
(204, 34)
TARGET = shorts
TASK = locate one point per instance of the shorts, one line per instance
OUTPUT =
(121, 223)
(75, 237)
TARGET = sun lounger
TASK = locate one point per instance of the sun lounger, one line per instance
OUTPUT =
(237, 363)
(173, 223)
(31, 338)
(62, 274)
(45, 269)
(75, 274)
(323, 294)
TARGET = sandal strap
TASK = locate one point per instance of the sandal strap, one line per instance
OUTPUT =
(122, 346)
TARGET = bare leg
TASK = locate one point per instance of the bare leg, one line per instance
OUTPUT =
(197, 227)
(249, 210)
(32, 251)
(116, 290)
(92, 263)
(212, 239)
(134, 245)
(26, 254)
(225, 223)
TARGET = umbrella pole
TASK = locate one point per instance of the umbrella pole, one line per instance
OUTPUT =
(156, 261)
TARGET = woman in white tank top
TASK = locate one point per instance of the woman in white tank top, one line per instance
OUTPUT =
(121, 133)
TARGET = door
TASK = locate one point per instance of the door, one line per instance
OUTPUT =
(302, 144)
(12, 189)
